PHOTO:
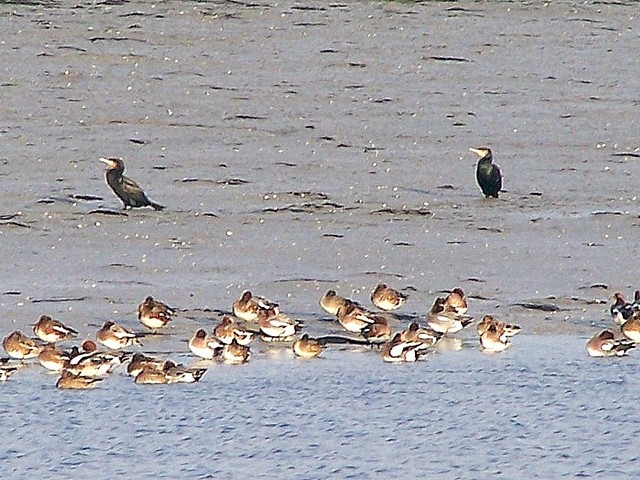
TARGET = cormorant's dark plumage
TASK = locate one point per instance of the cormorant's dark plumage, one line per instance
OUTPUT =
(487, 173)
(128, 191)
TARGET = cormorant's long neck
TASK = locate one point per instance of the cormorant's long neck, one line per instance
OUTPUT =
(114, 176)
(486, 160)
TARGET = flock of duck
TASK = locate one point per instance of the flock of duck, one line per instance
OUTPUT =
(84, 366)
(253, 317)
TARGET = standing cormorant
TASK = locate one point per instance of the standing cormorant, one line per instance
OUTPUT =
(487, 173)
(128, 191)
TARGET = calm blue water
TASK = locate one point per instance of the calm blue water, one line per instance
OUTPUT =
(541, 410)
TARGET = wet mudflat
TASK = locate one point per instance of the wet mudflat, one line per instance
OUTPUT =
(301, 147)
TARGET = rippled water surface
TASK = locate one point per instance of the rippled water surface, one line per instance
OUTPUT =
(538, 411)
(301, 146)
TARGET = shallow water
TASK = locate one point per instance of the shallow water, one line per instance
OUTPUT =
(539, 408)
(306, 147)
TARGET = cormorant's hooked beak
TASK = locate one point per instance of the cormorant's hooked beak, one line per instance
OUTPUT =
(478, 151)
(110, 162)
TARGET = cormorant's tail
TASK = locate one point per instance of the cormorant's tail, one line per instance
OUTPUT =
(157, 206)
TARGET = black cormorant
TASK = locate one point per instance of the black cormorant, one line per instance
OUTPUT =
(127, 190)
(487, 173)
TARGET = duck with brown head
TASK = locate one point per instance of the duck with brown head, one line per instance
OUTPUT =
(250, 307)
(235, 354)
(91, 362)
(355, 318)
(305, 347)
(117, 337)
(397, 350)
(140, 362)
(70, 381)
(178, 373)
(509, 329)
(204, 345)
(444, 319)
(49, 330)
(228, 330)
(604, 344)
(415, 333)
(19, 346)
(493, 339)
(331, 302)
(457, 301)
(386, 298)
(52, 358)
(154, 314)
(378, 332)
(277, 328)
